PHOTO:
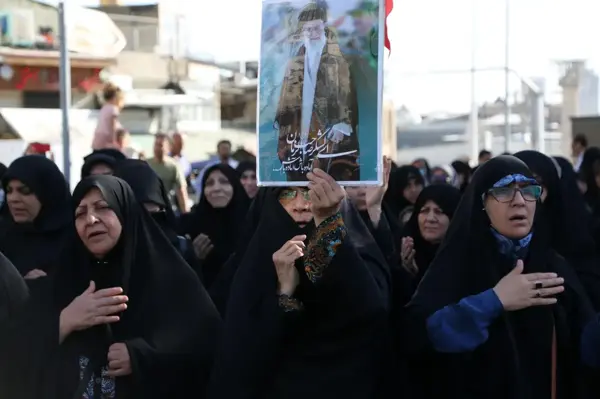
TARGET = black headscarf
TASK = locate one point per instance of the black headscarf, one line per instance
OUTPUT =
(567, 220)
(426, 171)
(221, 225)
(149, 188)
(515, 360)
(463, 169)
(447, 198)
(591, 158)
(246, 166)
(170, 326)
(254, 358)
(399, 180)
(39, 244)
(100, 157)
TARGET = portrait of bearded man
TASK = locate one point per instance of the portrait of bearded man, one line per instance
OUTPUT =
(317, 112)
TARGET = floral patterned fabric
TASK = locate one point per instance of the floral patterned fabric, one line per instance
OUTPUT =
(323, 246)
(104, 384)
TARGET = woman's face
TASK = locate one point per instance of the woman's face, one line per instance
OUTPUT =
(218, 190)
(433, 222)
(439, 176)
(358, 196)
(101, 169)
(97, 225)
(23, 204)
(296, 202)
(511, 209)
(412, 190)
(248, 180)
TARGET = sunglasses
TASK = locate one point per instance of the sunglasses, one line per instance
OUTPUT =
(291, 194)
(507, 194)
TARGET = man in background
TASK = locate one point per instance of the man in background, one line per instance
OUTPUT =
(177, 154)
(484, 156)
(169, 172)
(578, 146)
(124, 144)
(224, 154)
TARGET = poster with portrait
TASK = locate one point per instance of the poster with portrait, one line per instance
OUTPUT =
(320, 91)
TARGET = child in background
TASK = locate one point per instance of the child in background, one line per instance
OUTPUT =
(105, 135)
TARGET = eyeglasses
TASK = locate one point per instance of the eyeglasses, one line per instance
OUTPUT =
(507, 194)
(291, 194)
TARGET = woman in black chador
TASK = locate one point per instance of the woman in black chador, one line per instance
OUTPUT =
(151, 193)
(307, 310)
(39, 224)
(134, 322)
(506, 315)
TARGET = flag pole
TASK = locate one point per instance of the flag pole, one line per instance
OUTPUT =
(65, 90)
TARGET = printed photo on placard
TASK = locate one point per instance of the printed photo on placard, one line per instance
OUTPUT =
(320, 91)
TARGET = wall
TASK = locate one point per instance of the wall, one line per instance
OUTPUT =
(146, 67)
(389, 136)
(10, 98)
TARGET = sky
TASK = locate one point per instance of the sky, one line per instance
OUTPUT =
(436, 35)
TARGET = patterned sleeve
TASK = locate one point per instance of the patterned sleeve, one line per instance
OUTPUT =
(290, 304)
(321, 249)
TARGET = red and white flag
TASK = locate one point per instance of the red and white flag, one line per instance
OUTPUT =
(389, 5)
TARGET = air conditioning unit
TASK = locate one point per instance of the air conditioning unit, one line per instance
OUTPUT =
(17, 27)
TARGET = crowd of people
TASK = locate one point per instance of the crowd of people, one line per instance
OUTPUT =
(444, 282)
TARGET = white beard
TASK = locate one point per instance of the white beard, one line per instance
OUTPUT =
(314, 49)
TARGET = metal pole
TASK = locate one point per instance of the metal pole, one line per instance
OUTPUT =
(539, 122)
(65, 90)
(507, 124)
(474, 119)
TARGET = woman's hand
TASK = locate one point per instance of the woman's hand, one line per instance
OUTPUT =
(35, 274)
(519, 291)
(374, 195)
(326, 195)
(119, 363)
(92, 308)
(407, 255)
(202, 246)
(284, 260)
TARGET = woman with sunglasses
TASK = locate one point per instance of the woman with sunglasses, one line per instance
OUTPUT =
(506, 315)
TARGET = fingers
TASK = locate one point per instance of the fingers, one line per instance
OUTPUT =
(91, 288)
(294, 251)
(544, 292)
(113, 300)
(116, 364)
(317, 192)
(518, 269)
(540, 276)
(105, 320)
(301, 237)
(111, 310)
(108, 292)
(118, 372)
(547, 283)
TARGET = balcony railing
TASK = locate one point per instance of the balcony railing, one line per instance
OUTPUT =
(140, 32)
